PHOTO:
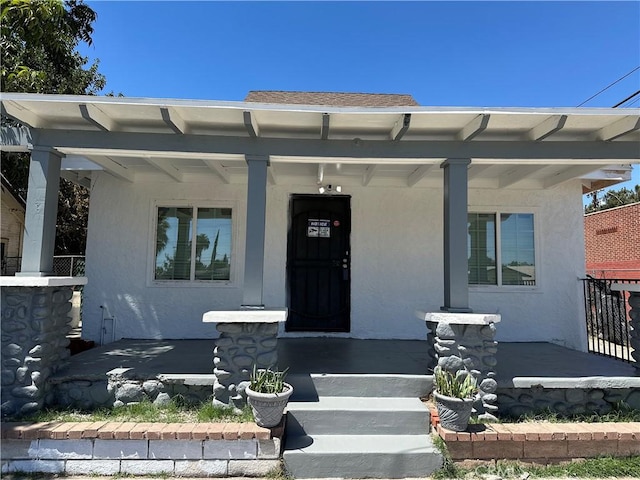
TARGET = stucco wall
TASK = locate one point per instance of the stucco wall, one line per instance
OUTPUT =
(12, 219)
(396, 243)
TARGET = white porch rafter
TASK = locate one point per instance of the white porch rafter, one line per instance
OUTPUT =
(175, 135)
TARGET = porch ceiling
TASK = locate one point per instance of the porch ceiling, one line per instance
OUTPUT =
(187, 140)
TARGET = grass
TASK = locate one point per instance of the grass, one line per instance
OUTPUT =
(279, 473)
(621, 412)
(602, 467)
(174, 412)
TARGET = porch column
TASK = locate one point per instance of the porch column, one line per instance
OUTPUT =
(456, 264)
(40, 214)
(256, 212)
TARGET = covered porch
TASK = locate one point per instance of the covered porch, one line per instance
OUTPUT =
(517, 361)
(539, 371)
(412, 175)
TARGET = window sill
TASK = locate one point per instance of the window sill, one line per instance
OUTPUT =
(189, 284)
(504, 289)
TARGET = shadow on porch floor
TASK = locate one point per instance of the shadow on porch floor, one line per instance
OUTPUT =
(516, 361)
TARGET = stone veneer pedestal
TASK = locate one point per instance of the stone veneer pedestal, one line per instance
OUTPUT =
(35, 323)
(465, 341)
(634, 315)
(247, 337)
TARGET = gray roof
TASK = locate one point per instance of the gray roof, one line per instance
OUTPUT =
(334, 99)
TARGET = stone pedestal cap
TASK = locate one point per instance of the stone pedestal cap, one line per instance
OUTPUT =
(459, 318)
(265, 315)
(10, 281)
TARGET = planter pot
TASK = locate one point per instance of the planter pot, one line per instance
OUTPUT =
(268, 407)
(454, 413)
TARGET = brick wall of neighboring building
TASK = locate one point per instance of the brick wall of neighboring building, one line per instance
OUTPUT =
(612, 242)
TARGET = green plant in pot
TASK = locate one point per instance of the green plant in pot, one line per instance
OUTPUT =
(454, 396)
(268, 394)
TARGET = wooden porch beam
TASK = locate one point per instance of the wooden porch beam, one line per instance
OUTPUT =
(165, 166)
(218, 169)
(96, 117)
(547, 127)
(517, 174)
(567, 174)
(114, 168)
(368, 174)
(474, 128)
(16, 112)
(418, 174)
(618, 129)
(400, 127)
(173, 120)
(324, 131)
(250, 125)
(271, 175)
(490, 150)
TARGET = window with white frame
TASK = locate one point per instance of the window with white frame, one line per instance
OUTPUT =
(501, 249)
(193, 244)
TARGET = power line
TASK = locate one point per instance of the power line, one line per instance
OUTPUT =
(610, 85)
(627, 99)
(635, 101)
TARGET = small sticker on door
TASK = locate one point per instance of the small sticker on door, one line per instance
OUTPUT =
(319, 228)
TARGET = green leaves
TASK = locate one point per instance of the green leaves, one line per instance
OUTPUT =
(267, 380)
(457, 385)
(38, 42)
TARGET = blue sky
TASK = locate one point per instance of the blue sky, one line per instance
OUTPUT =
(484, 54)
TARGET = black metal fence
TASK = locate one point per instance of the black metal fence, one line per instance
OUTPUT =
(10, 265)
(607, 318)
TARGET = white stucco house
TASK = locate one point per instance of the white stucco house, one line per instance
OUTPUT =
(12, 221)
(350, 210)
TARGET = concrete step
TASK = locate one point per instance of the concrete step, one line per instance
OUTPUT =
(361, 456)
(358, 416)
(312, 386)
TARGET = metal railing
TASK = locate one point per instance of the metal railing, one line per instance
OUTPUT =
(63, 265)
(607, 317)
(11, 265)
(69, 265)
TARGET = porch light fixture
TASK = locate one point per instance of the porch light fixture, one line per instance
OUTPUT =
(329, 189)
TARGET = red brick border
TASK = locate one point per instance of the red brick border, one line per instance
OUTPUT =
(542, 442)
(139, 431)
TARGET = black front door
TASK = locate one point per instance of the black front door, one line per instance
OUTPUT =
(318, 264)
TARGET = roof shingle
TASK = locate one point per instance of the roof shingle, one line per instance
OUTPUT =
(333, 99)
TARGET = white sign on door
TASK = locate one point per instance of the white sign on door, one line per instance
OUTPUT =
(319, 228)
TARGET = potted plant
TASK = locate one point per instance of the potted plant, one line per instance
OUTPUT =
(454, 397)
(268, 394)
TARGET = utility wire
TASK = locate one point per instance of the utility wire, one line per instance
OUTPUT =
(635, 101)
(627, 99)
(610, 85)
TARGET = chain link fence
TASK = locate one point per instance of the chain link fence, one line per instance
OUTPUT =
(69, 265)
(63, 265)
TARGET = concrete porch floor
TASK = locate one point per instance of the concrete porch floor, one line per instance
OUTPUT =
(519, 364)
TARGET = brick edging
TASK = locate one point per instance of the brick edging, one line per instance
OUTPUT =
(542, 441)
(112, 448)
(138, 431)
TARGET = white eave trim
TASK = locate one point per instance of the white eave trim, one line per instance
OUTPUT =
(251, 106)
